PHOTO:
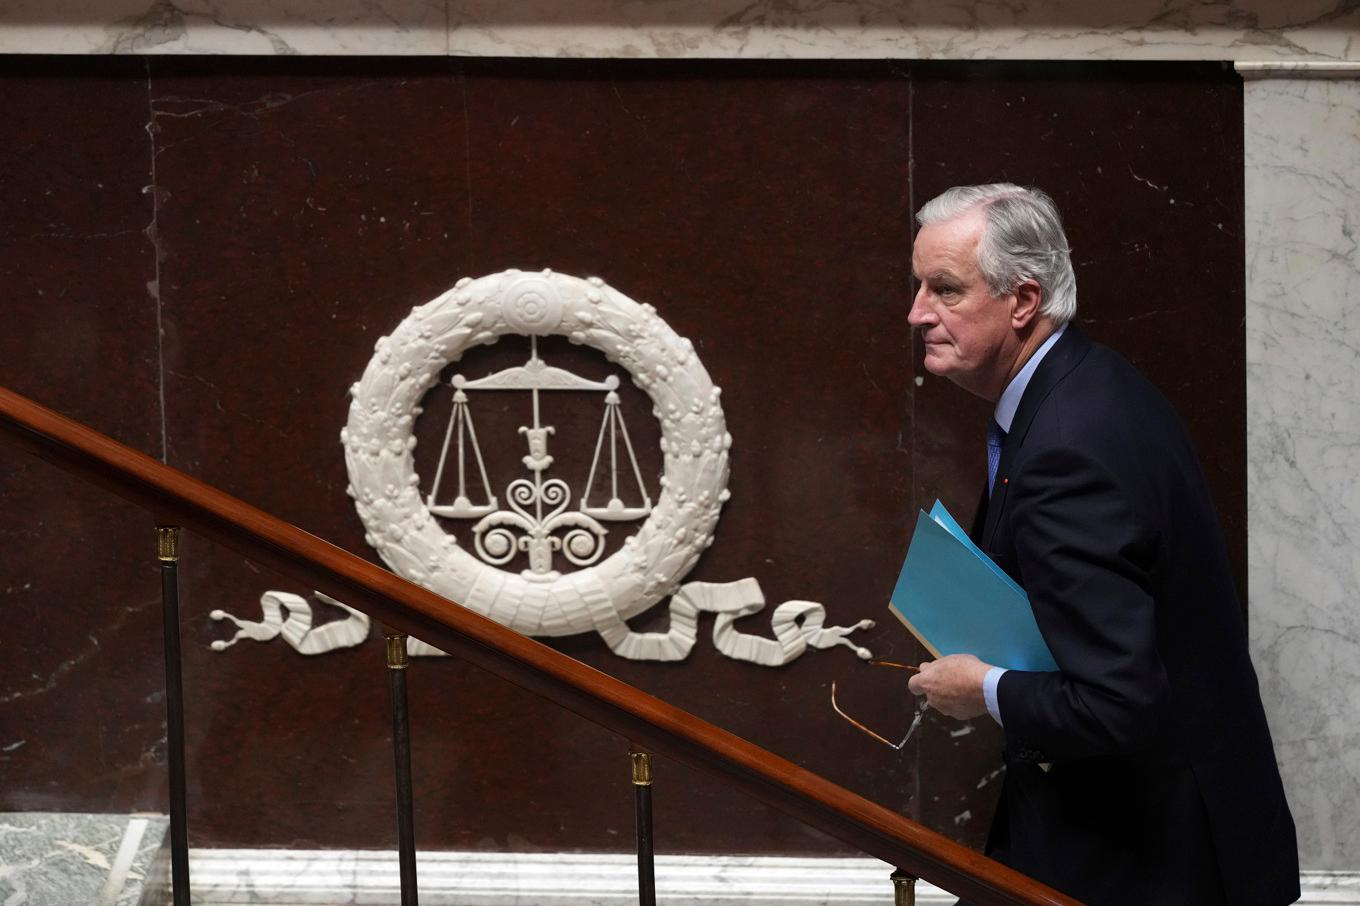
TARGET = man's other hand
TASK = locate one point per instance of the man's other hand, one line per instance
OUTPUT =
(952, 685)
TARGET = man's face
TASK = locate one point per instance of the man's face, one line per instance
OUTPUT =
(968, 333)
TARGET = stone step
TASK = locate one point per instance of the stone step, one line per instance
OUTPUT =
(65, 859)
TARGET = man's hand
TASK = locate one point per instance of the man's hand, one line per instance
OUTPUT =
(952, 685)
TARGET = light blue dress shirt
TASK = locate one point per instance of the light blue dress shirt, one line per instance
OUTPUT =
(1005, 416)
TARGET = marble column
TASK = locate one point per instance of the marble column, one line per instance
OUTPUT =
(1303, 384)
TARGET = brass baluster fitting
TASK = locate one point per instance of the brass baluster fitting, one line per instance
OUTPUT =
(642, 768)
(904, 888)
(396, 650)
(167, 543)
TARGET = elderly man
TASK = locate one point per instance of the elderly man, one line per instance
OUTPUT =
(1142, 771)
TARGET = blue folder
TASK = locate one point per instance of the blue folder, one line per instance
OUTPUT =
(957, 601)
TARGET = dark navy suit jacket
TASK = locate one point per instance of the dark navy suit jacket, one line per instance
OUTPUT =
(1161, 785)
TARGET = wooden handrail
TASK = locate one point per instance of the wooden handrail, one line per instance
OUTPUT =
(175, 498)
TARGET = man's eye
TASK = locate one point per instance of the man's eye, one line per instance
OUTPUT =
(945, 290)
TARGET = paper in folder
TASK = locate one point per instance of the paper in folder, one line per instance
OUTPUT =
(957, 601)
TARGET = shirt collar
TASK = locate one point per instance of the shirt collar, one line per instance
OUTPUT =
(1010, 397)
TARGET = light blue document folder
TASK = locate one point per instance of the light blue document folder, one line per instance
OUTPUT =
(957, 601)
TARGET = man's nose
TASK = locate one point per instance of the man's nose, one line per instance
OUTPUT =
(921, 312)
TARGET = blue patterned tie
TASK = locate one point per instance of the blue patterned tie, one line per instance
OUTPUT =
(995, 438)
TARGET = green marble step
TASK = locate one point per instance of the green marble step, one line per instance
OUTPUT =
(64, 859)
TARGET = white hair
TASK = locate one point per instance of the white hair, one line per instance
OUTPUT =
(1023, 240)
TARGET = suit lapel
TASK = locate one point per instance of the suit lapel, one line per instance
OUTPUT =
(979, 518)
(1070, 349)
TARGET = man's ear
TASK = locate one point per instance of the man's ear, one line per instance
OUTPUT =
(1028, 297)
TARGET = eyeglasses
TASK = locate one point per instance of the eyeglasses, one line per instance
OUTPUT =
(915, 721)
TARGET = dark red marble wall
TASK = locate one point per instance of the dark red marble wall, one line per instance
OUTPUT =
(81, 701)
(200, 255)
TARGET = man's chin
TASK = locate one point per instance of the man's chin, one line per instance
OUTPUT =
(951, 370)
(938, 364)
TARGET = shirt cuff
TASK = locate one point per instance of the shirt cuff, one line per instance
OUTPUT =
(989, 683)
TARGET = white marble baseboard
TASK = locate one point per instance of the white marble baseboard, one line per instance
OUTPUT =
(303, 878)
(365, 878)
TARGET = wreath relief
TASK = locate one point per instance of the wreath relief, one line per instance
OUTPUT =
(537, 517)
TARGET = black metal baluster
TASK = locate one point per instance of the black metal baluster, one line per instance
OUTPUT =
(167, 552)
(401, 753)
(642, 808)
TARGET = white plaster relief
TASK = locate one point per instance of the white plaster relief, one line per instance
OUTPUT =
(290, 616)
(1303, 383)
(536, 517)
(836, 29)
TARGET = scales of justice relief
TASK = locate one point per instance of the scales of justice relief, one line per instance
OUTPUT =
(499, 534)
(534, 515)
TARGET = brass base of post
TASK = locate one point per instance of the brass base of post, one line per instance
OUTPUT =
(167, 543)
(904, 888)
(396, 652)
(642, 768)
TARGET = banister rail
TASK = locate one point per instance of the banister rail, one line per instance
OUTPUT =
(176, 498)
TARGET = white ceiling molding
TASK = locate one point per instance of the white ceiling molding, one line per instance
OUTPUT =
(807, 29)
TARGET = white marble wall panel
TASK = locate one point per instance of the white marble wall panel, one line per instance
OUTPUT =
(1303, 412)
(928, 29)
